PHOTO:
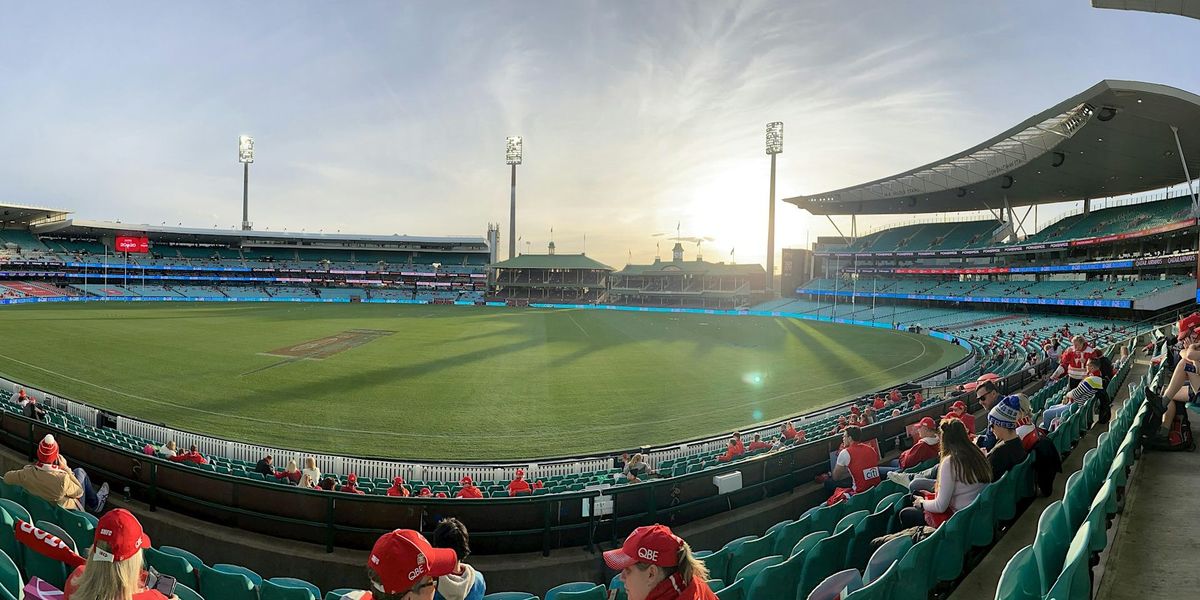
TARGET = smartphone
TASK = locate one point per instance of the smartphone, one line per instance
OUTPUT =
(164, 584)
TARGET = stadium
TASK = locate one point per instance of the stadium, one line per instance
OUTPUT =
(555, 404)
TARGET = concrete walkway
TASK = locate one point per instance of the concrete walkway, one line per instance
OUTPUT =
(1157, 541)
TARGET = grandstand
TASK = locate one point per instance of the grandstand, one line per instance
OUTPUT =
(683, 283)
(572, 278)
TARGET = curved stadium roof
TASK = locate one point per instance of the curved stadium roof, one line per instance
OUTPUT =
(1113, 139)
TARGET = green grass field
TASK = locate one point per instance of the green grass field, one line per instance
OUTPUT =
(450, 382)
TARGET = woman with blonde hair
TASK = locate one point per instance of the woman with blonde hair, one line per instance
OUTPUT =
(114, 568)
(291, 473)
(310, 477)
(656, 564)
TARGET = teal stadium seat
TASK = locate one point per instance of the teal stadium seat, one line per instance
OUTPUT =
(225, 585)
(10, 578)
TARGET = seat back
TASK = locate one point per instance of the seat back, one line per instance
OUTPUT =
(81, 526)
(170, 564)
(1019, 580)
(226, 586)
(850, 520)
(883, 557)
(733, 591)
(837, 585)
(269, 590)
(593, 593)
(8, 537)
(751, 571)
(827, 557)
(1076, 500)
(879, 588)
(1075, 581)
(187, 593)
(808, 542)
(10, 577)
(873, 526)
(1050, 544)
(778, 580)
(574, 586)
(787, 536)
(746, 553)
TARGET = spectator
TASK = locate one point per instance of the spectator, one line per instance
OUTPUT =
(636, 468)
(291, 473)
(895, 413)
(404, 566)
(927, 446)
(1182, 387)
(790, 433)
(440, 495)
(868, 416)
(464, 582)
(962, 474)
(50, 479)
(425, 493)
(1083, 392)
(988, 395)
(958, 410)
(734, 449)
(168, 449)
(856, 466)
(351, 486)
(311, 476)
(264, 466)
(757, 444)
(1008, 451)
(894, 396)
(468, 489)
(519, 485)
(30, 408)
(115, 565)
(192, 456)
(918, 399)
(656, 564)
(328, 484)
(398, 489)
(537, 485)
(878, 403)
(1073, 362)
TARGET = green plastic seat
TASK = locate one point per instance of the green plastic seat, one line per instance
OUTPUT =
(956, 531)
(733, 591)
(1005, 507)
(569, 588)
(43, 567)
(885, 556)
(251, 575)
(188, 556)
(832, 587)
(889, 500)
(807, 542)
(8, 538)
(270, 590)
(226, 585)
(1075, 580)
(778, 580)
(787, 536)
(1097, 518)
(870, 527)
(983, 526)
(778, 526)
(914, 577)
(170, 564)
(717, 562)
(340, 593)
(493, 596)
(827, 557)
(1050, 544)
(850, 520)
(597, 592)
(879, 588)
(751, 571)
(1019, 580)
(10, 577)
(825, 518)
(747, 552)
(1076, 500)
(187, 593)
(81, 526)
(295, 582)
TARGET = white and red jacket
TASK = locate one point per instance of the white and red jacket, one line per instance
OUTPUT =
(1074, 362)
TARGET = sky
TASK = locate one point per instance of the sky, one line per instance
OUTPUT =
(638, 117)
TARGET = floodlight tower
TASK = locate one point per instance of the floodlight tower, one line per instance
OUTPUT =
(245, 156)
(512, 156)
(774, 147)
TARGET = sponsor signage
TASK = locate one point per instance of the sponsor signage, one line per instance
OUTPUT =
(133, 244)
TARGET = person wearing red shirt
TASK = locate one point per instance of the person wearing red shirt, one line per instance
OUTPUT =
(468, 489)
(425, 493)
(537, 485)
(655, 564)
(878, 404)
(192, 456)
(119, 538)
(403, 564)
(958, 410)
(894, 396)
(440, 495)
(398, 489)
(926, 447)
(734, 450)
(1073, 362)
(918, 398)
(351, 486)
(789, 432)
(519, 485)
(757, 444)
(857, 461)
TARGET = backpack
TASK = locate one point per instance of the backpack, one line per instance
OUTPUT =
(1179, 435)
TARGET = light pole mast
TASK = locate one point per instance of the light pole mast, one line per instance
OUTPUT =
(245, 156)
(774, 147)
(512, 156)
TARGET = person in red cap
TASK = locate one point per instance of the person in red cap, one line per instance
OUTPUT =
(114, 568)
(425, 493)
(856, 466)
(757, 444)
(468, 489)
(958, 410)
(927, 445)
(403, 565)
(918, 398)
(398, 488)
(655, 564)
(519, 485)
(50, 479)
(351, 486)
(789, 432)
(1073, 362)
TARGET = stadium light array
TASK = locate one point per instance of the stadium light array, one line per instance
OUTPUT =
(775, 137)
(245, 149)
(512, 150)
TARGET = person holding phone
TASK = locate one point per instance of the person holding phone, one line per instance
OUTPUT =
(114, 568)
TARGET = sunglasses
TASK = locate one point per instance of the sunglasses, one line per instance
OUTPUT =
(416, 589)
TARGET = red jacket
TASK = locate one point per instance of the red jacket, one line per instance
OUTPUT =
(401, 491)
(1074, 362)
(350, 489)
(672, 588)
(518, 486)
(760, 445)
(192, 457)
(919, 453)
(469, 491)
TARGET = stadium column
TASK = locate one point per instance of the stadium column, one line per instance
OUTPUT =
(512, 216)
(771, 232)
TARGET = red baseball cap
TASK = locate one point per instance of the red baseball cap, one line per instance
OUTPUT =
(928, 423)
(466, 480)
(653, 544)
(352, 478)
(398, 480)
(123, 533)
(958, 405)
(520, 473)
(403, 557)
(854, 410)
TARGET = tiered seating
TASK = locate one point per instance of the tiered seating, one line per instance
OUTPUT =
(1059, 288)
(1120, 219)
